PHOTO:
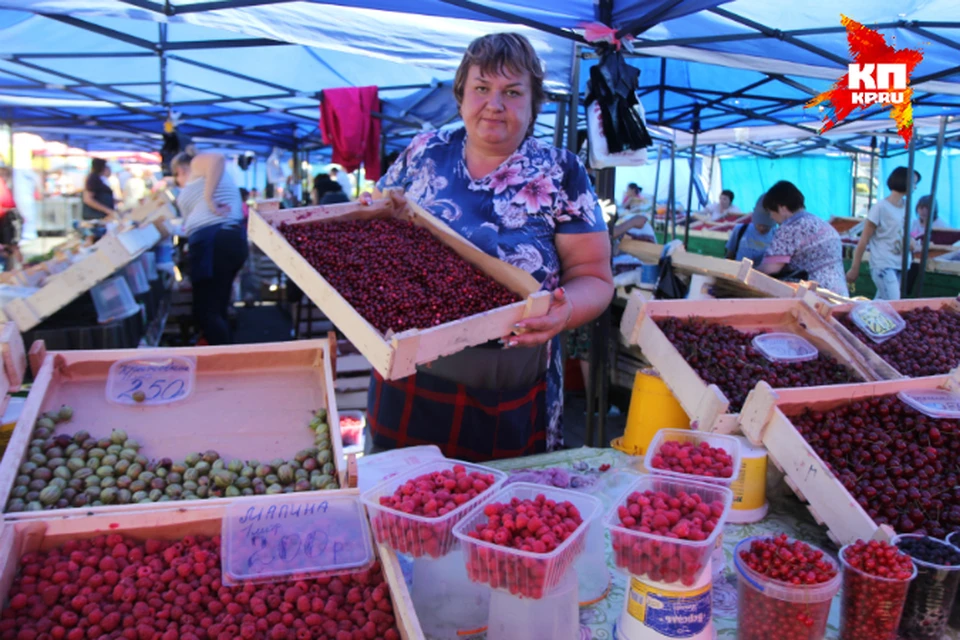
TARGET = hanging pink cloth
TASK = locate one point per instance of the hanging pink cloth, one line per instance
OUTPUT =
(347, 124)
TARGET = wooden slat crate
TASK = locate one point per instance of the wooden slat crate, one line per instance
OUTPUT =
(397, 355)
(158, 522)
(706, 403)
(883, 369)
(739, 278)
(766, 420)
(112, 252)
(248, 402)
(14, 355)
(159, 206)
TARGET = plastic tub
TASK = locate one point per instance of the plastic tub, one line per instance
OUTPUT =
(658, 611)
(750, 487)
(715, 440)
(954, 539)
(114, 300)
(652, 407)
(352, 424)
(417, 535)
(645, 555)
(930, 598)
(764, 604)
(149, 259)
(524, 572)
(871, 606)
(136, 278)
(555, 616)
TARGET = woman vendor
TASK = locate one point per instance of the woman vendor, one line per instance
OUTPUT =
(529, 204)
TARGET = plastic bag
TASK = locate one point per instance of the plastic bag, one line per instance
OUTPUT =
(669, 285)
(618, 116)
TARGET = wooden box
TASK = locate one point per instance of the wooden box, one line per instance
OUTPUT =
(706, 403)
(397, 355)
(881, 368)
(248, 402)
(158, 206)
(20, 537)
(739, 278)
(766, 420)
(109, 254)
(14, 355)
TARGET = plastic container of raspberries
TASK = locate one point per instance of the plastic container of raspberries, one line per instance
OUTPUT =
(657, 557)
(421, 535)
(765, 604)
(728, 443)
(525, 573)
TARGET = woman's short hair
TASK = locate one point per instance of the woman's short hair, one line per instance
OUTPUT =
(635, 187)
(182, 159)
(97, 166)
(728, 193)
(924, 203)
(783, 193)
(498, 52)
(897, 181)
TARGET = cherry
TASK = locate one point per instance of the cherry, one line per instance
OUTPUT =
(928, 346)
(874, 590)
(397, 275)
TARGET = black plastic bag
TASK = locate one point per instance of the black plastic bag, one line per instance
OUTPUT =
(669, 284)
(613, 84)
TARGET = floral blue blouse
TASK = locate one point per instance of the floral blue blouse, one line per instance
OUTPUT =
(513, 213)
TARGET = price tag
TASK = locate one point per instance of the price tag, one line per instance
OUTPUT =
(935, 403)
(268, 539)
(151, 381)
(878, 320)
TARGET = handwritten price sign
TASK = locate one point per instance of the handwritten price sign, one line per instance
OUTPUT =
(880, 323)
(151, 381)
(270, 540)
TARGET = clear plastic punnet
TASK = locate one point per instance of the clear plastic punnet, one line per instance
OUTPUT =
(521, 572)
(645, 555)
(309, 535)
(376, 468)
(136, 277)
(878, 320)
(418, 535)
(149, 259)
(114, 300)
(785, 347)
(936, 403)
(728, 443)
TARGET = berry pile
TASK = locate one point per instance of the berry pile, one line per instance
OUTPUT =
(396, 274)
(431, 495)
(685, 516)
(695, 459)
(533, 526)
(761, 617)
(932, 592)
(928, 346)
(902, 466)
(874, 590)
(116, 587)
(724, 356)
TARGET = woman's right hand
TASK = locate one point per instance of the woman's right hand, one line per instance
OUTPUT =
(853, 274)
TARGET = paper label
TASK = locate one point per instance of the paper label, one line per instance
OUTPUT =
(272, 540)
(878, 323)
(151, 381)
(675, 614)
(749, 489)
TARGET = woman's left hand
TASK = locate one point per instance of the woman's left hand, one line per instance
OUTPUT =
(534, 331)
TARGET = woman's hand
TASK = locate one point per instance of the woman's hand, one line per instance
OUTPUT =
(539, 330)
(853, 274)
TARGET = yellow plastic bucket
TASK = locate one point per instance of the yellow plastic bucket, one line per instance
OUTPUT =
(652, 407)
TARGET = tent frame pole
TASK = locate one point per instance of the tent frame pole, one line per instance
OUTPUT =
(693, 164)
(656, 188)
(856, 172)
(873, 166)
(928, 227)
(908, 210)
(560, 124)
(672, 197)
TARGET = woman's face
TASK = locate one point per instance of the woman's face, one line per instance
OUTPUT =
(922, 213)
(725, 201)
(181, 174)
(497, 109)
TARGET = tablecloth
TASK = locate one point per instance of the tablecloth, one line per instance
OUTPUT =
(787, 515)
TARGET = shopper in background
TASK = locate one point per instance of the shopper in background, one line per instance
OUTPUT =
(717, 210)
(883, 236)
(98, 200)
(291, 192)
(10, 222)
(531, 205)
(923, 210)
(322, 184)
(135, 189)
(804, 246)
(343, 179)
(751, 239)
(216, 235)
(334, 196)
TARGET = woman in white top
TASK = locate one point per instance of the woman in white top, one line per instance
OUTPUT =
(883, 235)
(213, 223)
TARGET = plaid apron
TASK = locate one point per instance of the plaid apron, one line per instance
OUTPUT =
(466, 423)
